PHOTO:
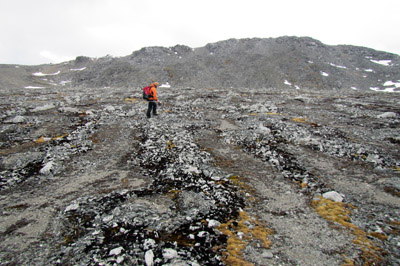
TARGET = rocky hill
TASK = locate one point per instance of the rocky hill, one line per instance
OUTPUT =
(226, 174)
(285, 62)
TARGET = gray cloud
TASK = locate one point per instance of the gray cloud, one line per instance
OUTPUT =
(44, 31)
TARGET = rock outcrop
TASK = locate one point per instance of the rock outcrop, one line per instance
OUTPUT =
(284, 63)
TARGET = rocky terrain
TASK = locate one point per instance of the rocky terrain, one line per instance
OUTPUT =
(224, 175)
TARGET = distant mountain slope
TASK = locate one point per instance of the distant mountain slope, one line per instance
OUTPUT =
(284, 62)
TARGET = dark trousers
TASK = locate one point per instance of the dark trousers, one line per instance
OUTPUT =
(152, 108)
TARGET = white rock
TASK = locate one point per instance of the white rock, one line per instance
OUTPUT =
(44, 107)
(202, 234)
(69, 109)
(116, 251)
(120, 259)
(149, 258)
(108, 218)
(387, 115)
(263, 130)
(374, 158)
(333, 195)
(169, 253)
(72, 207)
(96, 232)
(149, 243)
(216, 178)
(109, 108)
(213, 223)
(46, 170)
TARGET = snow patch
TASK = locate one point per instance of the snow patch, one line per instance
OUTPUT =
(40, 74)
(33, 87)
(165, 86)
(382, 62)
(383, 90)
(287, 83)
(324, 74)
(78, 69)
(337, 66)
(65, 82)
(391, 83)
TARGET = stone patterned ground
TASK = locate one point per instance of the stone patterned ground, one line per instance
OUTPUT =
(220, 177)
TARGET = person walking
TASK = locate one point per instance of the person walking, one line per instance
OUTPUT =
(152, 108)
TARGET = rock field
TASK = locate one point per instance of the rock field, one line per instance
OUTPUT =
(222, 176)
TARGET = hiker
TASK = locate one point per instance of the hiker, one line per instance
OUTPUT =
(152, 100)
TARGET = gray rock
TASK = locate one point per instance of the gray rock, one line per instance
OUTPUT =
(267, 254)
(16, 120)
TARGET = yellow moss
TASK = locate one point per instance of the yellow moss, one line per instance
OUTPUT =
(131, 100)
(244, 187)
(235, 180)
(253, 114)
(43, 139)
(60, 137)
(333, 211)
(348, 262)
(170, 145)
(40, 140)
(172, 193)
(251, 231)
(337, 212)
(304, 120)
(378, 235)
(299, 119)
(394, 223)
(245, 230)
(273, 113)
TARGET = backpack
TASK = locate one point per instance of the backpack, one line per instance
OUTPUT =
(146, 92)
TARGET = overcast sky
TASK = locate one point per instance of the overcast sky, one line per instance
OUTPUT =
(52, 31)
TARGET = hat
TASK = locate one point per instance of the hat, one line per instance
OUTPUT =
(155, 84)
